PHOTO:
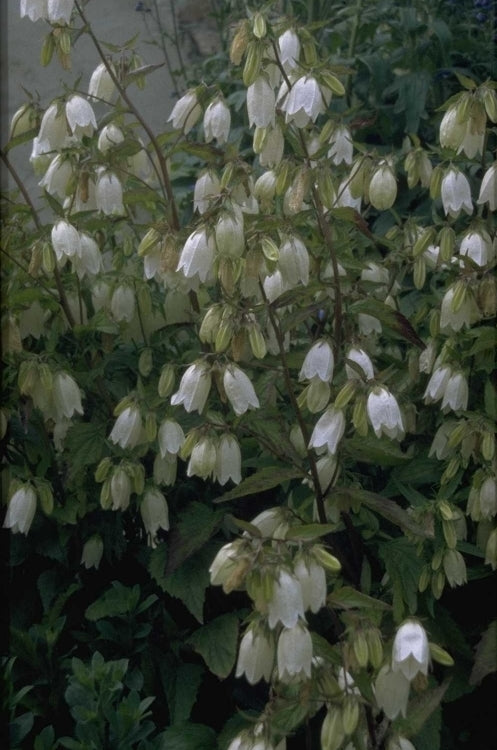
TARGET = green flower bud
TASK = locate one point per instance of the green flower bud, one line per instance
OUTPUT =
(259, 26)
(166, 381)
(103, 468)
(440, 655)
(253, 63)
(360, 648)
(350, 714)
(145, 362)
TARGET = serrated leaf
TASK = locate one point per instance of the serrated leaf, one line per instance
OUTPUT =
(85, 441)
(189, 582)
(216, 643)
(386, 508)
(188, 736)
(349, 598)
(486, 655)
(262, 480)
(117, 600)
(187, 683)
(195, 526)
(404, 568)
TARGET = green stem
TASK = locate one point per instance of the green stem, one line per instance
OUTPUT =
(293, 400)
(166, 182)
(60, 289)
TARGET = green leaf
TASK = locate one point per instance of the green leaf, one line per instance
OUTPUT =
(195, 526)
(187, 683)
(216, 643)
(265, 479)
(486, 655)
(404, 568)
(85, 441)
(386, 508)
(420, 708)
(310, 531)
(392, 319)
(118, 600)
(189, 582)
(372, 450)
(349, 598)
(188, 736)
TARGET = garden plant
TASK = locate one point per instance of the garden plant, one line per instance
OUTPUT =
(249, 387)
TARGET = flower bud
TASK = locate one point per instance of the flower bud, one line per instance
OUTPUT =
(93, 550)
(382, 188)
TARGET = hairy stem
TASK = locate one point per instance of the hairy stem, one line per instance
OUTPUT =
(166, 182)
(60, 289)
(293, 400)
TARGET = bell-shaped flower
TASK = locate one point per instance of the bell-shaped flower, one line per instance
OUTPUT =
(440, 445)
(186, 112)
(53, 134)
(345, 198)
(487, 497)
(294, 653)
(488, 188)
(165, 469)
(410, 651)
(120, 489)
(294, 262)
(155, 514)
(289, 46)
(304, 102)
(461, 135)
(456, 393)
(93, 549)
(312, 578)
(491, 550)
(80, 116)
(21, 510)
(217, 121)
(109, 194)
(228, 460)
(286, 604)
(207, 190)
(171, 438)
(59, 11)
(101, 85)
(90, 259)
(122, 304)
(194, 387)
(437, 384)
(384, 413)
(382, 188)
(454, 568)
(391, 690)
(127, 430)
(463, 317)
(265, 187)
(478, 246)
(456, 193)
(66, 240)
(239, 390)
(271, 521)
(57, 177)
(197, 255)
(319, 362)
(34, 9)
(226, 562)
(67, 396)
(261, 103)
(274, 285)
(110, 136)
(230, 239)
(272, 150)
(255, 656)
(341, 147)
(363, 361)
(329, 430)
(400, 743)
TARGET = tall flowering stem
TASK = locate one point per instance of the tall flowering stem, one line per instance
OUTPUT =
(293, 400)
(166, 186)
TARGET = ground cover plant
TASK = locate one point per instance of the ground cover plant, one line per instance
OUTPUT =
(249, 388)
